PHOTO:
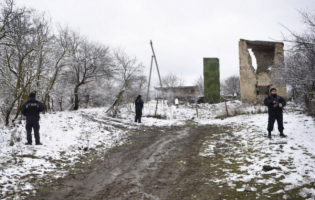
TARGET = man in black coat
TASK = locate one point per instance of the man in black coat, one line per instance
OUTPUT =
(30, 109)
(275, 105)
(139, 107)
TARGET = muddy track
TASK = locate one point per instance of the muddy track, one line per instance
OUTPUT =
(148, 167)
(158, 163)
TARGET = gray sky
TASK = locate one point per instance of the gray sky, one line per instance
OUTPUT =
(182, 31)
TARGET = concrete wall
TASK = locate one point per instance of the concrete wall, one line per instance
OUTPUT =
(256, 83)
(248, 78)
(211, 70)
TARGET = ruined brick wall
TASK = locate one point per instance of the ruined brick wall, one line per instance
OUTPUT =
(255, 84)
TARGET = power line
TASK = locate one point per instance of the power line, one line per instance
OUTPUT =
(138, 43)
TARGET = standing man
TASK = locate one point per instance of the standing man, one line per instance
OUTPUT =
(139, 106)
(275, 105)
(30, 109)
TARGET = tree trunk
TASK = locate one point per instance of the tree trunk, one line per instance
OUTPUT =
(60, 104)
(48, 102)
(19, 105)
(7, 117)
(23, 98)
(87, 100)
(45, 102)
(8, 112)
(157, 102)
(76, 98)
(115, 106)
(17, 113)
(310, 100)
(52, 104)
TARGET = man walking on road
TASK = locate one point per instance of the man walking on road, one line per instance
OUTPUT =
(30, 109)
(139, 107)
(275, 105)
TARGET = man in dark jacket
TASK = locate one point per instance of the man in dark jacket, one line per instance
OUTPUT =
(275, 105)
(30, 109)
(139, 107)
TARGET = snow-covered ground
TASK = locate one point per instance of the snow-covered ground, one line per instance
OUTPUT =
(188, 111)
(67, 135)
(293, 157)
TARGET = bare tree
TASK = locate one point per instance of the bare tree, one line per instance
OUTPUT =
(57, 62)
(200, 84)
(60, 66)
(172, 80)
(231, 86)
(127, 72)
(139, 86)
(8, 13)
(299, 68)
(88, 61)
(304, 40)
(37, 61)
(127, 69)
(18, 56)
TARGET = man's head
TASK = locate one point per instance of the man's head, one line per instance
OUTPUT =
(273, 91)
(139, 97)
(32, 95)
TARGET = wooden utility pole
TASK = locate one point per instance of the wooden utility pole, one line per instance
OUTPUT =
(310, 99)
(157, 103)
(149, 79)
(196, 104)
(157, 67)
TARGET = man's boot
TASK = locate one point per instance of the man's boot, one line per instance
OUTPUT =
(282, 135)
(269, 135)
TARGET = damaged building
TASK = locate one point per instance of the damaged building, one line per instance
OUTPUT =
(255, 83)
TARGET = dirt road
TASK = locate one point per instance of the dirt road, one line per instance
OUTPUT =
(157, 163)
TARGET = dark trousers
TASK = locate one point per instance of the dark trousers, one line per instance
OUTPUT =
(271, 121)
(138, 115)
(32, 124)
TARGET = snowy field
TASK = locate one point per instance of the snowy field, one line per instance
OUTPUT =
(69, 136)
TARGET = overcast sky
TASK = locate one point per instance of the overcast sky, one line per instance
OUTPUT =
(183, 31)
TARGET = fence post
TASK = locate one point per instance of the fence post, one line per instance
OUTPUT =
(227, 112)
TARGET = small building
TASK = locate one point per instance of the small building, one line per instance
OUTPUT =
(183, 93)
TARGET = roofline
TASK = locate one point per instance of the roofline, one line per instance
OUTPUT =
(179, 87)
